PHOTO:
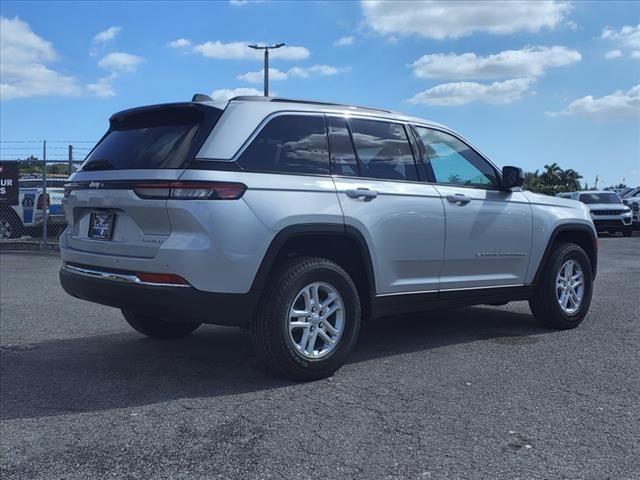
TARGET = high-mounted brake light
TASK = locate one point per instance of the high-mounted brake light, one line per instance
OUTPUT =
(190, 190)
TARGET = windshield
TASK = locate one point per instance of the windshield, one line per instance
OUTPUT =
(606, 197)
(165, 137)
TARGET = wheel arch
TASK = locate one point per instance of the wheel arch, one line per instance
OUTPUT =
(341, 243)
(577, 233)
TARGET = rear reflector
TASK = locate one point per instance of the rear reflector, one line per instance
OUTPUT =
(189, 190)
(164, 278)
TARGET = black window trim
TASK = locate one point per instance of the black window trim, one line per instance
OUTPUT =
(330, 137)
(497, 187)
(202, 163)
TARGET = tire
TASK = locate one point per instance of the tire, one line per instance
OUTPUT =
(285, 352)
(10, 225)
(155, 327)
(545, 301)
(627, 232)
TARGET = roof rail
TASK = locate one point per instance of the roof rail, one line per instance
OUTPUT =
(257, 98)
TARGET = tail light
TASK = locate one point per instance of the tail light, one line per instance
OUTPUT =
(43, 201)
(190, 190)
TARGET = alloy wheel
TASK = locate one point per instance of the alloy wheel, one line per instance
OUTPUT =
(570, 287)
(316, 320)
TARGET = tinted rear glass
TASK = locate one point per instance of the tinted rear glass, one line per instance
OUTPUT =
(383, 150)
(600, 198)
(155, 138)
(289, 144)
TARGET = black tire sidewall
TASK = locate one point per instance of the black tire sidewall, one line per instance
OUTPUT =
(325, 272)
(572, 252)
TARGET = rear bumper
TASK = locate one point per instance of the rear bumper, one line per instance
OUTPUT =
(183, 303)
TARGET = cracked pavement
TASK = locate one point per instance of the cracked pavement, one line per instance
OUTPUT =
(474, 393)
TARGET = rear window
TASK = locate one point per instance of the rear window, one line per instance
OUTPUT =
(154, 138)
(600, 198)
(289, 144)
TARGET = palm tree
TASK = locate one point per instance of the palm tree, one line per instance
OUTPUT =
(570, 180)
(551, 174)
(553, 180)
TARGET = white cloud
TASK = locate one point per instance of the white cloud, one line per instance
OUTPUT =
(635, 54)
(103, 88)
(528, 62)
(344, 41)
(613, 54)
(440, 19)
(240, 50)
(628, 36)
(107, 35)
(23, 64)
(617, 106)
(225, 94)
(328, 70)
(571, 25)
(299, 72)
(116, 63)
(120, 62)
(258, 77)
(179, 43)
(461, 93)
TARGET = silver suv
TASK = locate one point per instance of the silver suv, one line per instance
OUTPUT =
(608, 212)
(298, 220)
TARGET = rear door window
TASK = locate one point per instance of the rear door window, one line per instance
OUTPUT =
(343, 157)
(295, 144)
(383, 150)
(153, 138)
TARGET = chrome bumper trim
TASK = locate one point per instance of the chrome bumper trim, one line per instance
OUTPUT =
(115, 277)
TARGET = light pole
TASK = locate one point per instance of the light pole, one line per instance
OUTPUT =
(266, 49)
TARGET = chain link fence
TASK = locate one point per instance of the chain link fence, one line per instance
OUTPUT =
(38, 219)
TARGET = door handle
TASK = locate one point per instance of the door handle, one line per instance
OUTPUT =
(459, 199)
(364, 193)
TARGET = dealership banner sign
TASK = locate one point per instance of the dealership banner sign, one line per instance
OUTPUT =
(9, 183)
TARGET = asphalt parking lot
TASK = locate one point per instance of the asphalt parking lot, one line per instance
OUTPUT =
(477, 393)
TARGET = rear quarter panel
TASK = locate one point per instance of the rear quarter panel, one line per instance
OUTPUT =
(235, 236)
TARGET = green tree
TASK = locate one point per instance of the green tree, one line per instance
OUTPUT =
(552, 180)
(570, 180)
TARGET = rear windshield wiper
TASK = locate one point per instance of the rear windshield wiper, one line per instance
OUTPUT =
(98, 164)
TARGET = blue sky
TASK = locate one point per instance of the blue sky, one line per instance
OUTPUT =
(526, 83)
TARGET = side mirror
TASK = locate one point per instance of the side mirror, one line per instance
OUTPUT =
(512, 177)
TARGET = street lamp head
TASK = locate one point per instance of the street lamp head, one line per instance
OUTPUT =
(265, 47)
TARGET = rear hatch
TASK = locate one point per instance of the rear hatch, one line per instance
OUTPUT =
(116, 204)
